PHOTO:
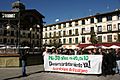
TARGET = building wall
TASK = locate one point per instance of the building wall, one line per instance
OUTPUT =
(109, 27)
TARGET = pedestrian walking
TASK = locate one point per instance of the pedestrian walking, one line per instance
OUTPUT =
(24, 61)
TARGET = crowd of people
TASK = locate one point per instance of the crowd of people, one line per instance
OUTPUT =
(111, 57)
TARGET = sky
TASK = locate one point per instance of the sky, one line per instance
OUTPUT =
(65, 10)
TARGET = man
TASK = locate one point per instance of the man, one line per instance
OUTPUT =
(118, 61)
(23, 55)
(45, 55)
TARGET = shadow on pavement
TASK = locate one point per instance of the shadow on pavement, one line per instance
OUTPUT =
(20, 76)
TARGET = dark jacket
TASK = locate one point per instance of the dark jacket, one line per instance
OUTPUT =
(118, 56)
(23, 55)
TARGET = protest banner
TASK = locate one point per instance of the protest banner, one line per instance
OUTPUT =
(83, 64)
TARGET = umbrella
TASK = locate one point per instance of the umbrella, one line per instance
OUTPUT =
(104, 47)
(90, 47)
(26, 47)
(114, 46)
(36, 47)
(2, 47)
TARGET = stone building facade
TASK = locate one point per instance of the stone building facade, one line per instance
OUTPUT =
(105, 26)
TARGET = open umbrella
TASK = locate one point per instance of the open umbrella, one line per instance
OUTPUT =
(114, 46)
(104, 47)
(90, 47)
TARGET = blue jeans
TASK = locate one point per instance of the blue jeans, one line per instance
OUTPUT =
(23, 68)
(118, 66)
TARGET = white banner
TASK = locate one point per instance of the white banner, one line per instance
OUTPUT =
(84, 64)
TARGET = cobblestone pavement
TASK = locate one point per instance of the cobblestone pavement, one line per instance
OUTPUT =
(37, 73)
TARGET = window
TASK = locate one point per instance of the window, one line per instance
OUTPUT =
(83, 22)
(83, 39)
(54, 41)
(92, 20)
(4, 40)
(118, 26)
(99, 28)
(92, 30)
(70, 24)
(59, 27)
(109, 18)
(54, 34)
(0, 25)
(5, 32)
(12, 33)
(64, 41)
(76, 40)
(99, 19)
(59, 40)
(0, 40)
(76, 31)
(76, 23)
(60, 33)
(83, 30)
(70, 32)
(12, 41)
(8, 41)
(64, 33)
(50, 34)
(70, 40)
(109, 27)
(1, 31)
(109, 38)
(99, 39)
(45, 34)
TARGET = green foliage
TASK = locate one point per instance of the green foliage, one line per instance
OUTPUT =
(93, 38)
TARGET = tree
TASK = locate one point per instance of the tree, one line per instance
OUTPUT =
(93, 38)
(118, 37)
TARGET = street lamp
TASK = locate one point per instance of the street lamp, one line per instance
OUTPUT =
(38, 27)
(30, 38)
(8, 27)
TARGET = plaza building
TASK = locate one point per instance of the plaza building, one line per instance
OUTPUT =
(20, 28)
(99, 29)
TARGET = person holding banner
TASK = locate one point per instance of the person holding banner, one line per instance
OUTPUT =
(45, 53)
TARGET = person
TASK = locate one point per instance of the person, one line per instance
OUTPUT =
(53, 51)
(111, 62)
(118, 61)
(24, 61)
(90, 52)
(104, 63)
(45, 53)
